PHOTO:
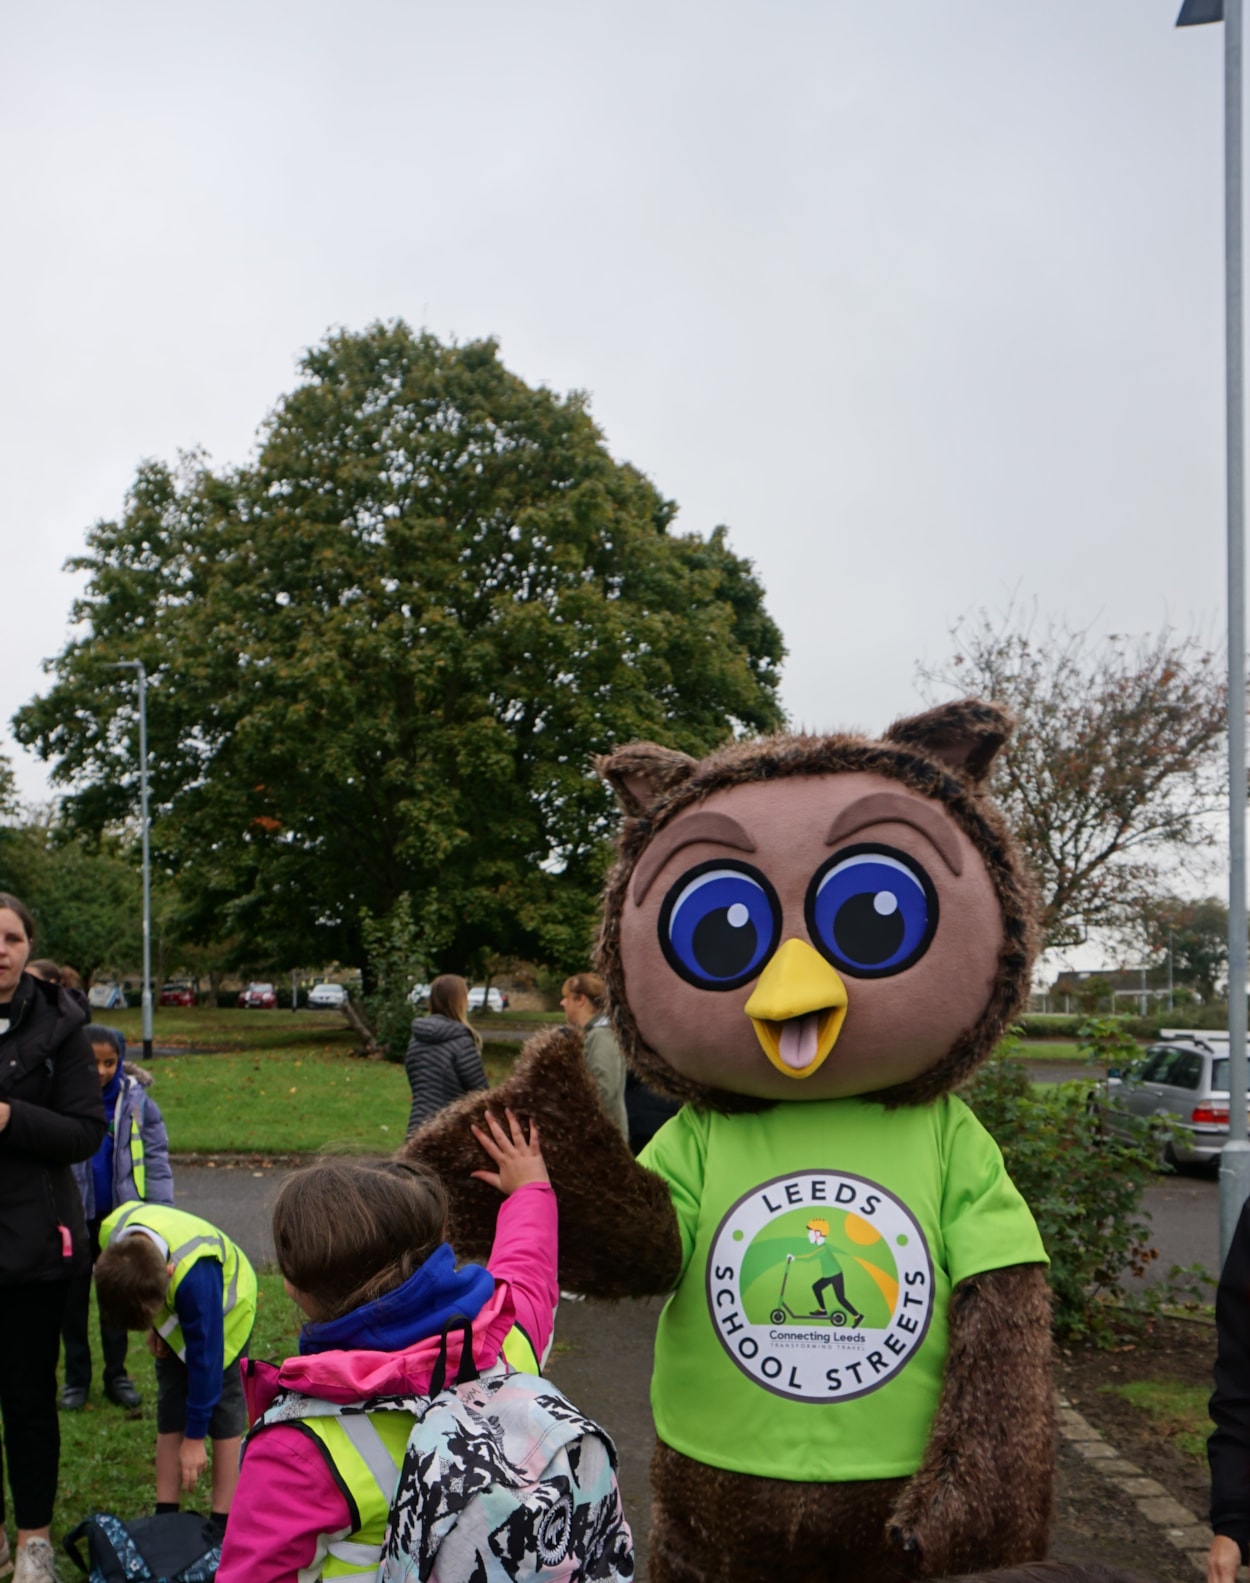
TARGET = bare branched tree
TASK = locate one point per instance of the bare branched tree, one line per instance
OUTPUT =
(1115, 765)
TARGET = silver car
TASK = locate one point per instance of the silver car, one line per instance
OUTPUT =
(1181, 1080)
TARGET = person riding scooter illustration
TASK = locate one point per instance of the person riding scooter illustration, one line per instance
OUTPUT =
(830, 1274)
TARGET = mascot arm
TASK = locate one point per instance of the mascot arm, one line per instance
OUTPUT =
(618, 1228)
(982, 1496)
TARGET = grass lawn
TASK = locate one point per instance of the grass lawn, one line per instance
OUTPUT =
(297, 1101)
(1176, 1409)
(280, 1082)
(227, 1028)
(209, 1027)
(300, 1101)
(107, 1460)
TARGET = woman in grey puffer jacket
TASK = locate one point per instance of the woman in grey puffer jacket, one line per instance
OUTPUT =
(444, 1059)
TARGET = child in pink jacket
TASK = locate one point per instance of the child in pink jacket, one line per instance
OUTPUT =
(361, 1250)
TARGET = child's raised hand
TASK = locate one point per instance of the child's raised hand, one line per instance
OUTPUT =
(520, 1159)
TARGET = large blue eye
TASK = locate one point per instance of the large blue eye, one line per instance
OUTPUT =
(719, 924)
(871, 910)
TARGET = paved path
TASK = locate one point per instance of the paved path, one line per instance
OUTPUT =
(238, 1198)
(1185, 1223)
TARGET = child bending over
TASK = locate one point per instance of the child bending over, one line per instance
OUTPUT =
(361, 1250)
(185, 1283)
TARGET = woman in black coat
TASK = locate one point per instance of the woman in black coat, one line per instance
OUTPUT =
(444, 1059)
(50, 1117)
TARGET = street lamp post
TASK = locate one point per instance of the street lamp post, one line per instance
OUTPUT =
(1235, 1158)
(138, 667)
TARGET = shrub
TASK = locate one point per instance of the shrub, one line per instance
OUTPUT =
(395, 951)
(1083, 1184)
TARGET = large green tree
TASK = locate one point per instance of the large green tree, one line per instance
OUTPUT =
(383, 654)
(84, 893)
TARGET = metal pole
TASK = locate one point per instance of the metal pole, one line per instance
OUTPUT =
(1170, 981)
(1235, 1160)
(147, 861)
(146, 1002)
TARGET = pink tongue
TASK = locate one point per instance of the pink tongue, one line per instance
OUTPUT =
(798, 1040)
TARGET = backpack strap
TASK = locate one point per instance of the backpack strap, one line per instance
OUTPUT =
(466, 1372)
(70, 1545)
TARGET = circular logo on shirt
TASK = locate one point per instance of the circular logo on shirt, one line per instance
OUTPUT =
(820, 1285)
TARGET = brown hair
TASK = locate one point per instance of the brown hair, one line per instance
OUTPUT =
(131, 1279)
(71, 978)
(7, 899)
(348, 1231)
(46, 969)
(449, 997)
(589, 986)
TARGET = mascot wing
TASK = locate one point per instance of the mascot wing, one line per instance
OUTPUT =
(618, 1231)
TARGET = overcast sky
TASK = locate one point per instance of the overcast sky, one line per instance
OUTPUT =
(923, 301)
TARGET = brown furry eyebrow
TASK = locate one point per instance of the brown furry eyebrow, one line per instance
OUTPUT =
(706, 826)
(889, 807)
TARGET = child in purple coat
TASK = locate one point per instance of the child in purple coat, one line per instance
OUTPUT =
(132, 1162)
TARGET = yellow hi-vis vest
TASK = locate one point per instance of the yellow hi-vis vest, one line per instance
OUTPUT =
(138, 1166)
(365, 1452)
(191, 1239)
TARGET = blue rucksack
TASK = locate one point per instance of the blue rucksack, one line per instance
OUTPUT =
(171, 1547)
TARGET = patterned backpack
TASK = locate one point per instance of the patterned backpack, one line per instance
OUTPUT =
(503, 1480)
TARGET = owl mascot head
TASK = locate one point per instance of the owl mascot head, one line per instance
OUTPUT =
(810, 942)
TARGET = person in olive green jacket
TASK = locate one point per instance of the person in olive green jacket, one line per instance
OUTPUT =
(583, 999)
(194, 1292)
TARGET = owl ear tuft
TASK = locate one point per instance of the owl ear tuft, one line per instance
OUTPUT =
(965, 735)
(641, 773)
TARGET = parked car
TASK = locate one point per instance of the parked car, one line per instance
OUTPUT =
(1182, 1081)
(106, 997)
(177, 994)
(327, 996)
(419, 994)
(496, 1000)
(259, 997)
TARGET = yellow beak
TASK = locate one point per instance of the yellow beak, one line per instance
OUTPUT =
(797, 1009)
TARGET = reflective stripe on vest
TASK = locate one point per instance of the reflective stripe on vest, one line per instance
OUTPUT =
(366, 1452)
(518, 1350)
(137, 1166)
(191, 1239)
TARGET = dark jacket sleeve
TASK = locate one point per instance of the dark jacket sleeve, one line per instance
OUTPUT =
(1228, 1449)
(73, 1125)
(467, 1060)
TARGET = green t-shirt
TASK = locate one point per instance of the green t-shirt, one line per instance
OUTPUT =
(749, 1374)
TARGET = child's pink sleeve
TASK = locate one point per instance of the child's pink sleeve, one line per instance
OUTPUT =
(524, 1255)
(287, 1504)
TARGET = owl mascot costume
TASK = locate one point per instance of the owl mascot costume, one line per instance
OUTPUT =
(810, 942)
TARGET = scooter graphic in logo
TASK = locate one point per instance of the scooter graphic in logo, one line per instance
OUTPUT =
(830, 1275)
